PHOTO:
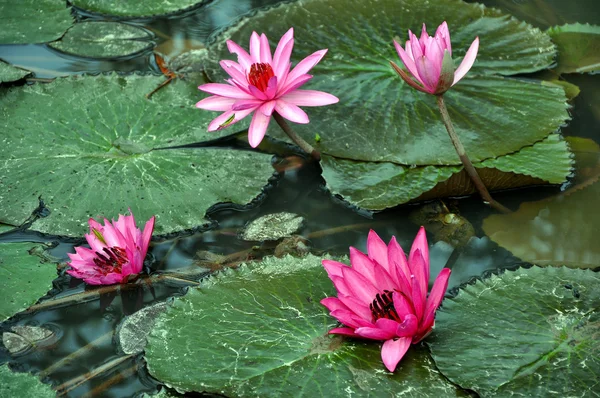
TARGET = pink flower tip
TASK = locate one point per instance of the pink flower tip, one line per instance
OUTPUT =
(117, 251)
(383, 296)
(260, 83)
(429, 63)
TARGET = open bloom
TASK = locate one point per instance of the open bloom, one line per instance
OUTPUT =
(117, 250)
(382, 296)
(263, 83)
(429, 61)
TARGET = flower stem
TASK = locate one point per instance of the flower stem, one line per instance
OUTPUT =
(462, 154)
(305, 146)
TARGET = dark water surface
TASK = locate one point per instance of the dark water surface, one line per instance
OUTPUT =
(84, 340)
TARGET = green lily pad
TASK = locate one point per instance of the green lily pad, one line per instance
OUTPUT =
(380, 118)
(33, 21)
(578, 48)
(530, 333)
(261, 331)
(560, 230)
(136, 8)
(376, 186)
(22, 385)
(23, 277)
(9, 73)
(94, 150)
(104, 39)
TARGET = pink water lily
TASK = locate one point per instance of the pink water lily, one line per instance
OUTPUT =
(429, 60)
(263, 83)
(383, 296)
(118, 249)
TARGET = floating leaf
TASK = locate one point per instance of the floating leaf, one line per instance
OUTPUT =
(24, 337)
(22, 385)
(578, 47)
(33, 21)
(376, 186)
(273, 226)
(532, 332)
(261, 331)
(134, 329)
(136, 8)
(560, 230)
(104, 39)
(94, 150)
(379, 118)
(23, 278)
(9, 73)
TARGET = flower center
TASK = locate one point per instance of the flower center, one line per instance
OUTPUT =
(259, 75)
(111, 260)
(383, 307)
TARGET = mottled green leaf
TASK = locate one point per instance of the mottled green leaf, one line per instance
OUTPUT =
(578, 47)
(135, 8)
(529, 333)
(260, 331)
(9, 73)
(104, 39)
(380, 118)
(91, 146)
(33, 21)
(22, 385)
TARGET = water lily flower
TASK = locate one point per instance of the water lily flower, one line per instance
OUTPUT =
(117, 251)
(429, 60)
(383, 296)
(263, 83)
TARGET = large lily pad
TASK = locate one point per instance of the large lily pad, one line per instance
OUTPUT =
(261, 331)
(22, 385)
(578, 47)
(380, 185)
(24, 278)
(531, 333)
(89, 146)
(104, 39)
(9, 73)
(560, 230)
(135, 8)
(33, 21)
(379, 118)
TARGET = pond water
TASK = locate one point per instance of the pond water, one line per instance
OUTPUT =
(83, 359)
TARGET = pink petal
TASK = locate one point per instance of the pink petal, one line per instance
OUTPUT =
(147, 234)
(408, 80)
(281, 58)
(255, 48)
(467, 61)
(444, 33)
(216, 103)
(305, 65)
(216, 123)
(402, 305)
(408, 328)
(357, 307)
(271, 87)
(340, 285)
(293, 85)
(397, 261)
(343, 331)
(309, 98)
(384, 329)
(393, 351)
(420, 271)
(424, 38)
(258, 128)
(427, 73)
(349, 318)
(372, 271)
(407, 60)
(244, 58)
(435, 297)
(224, 90)
(267, 108)
(415, 46)
(377, 249)
(233, 70)
(420, 243)
(333, 268)
(417, 298)
(435, 54)
(265, 50)
(256, 93)
(291, 112)
(333, 303)
(240, 105)
(360, 286)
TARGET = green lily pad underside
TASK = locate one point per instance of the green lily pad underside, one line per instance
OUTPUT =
(578, 47)
(377, 186)
(33, 21)
(379, 117)
(14, 384)
(23, 278)
(88, 147)
(135, 8)
(532, 332)
(9, 73)
(260, 331)
(104, 39)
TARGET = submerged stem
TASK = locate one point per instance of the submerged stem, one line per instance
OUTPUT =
(306, 147)
(462, 154)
